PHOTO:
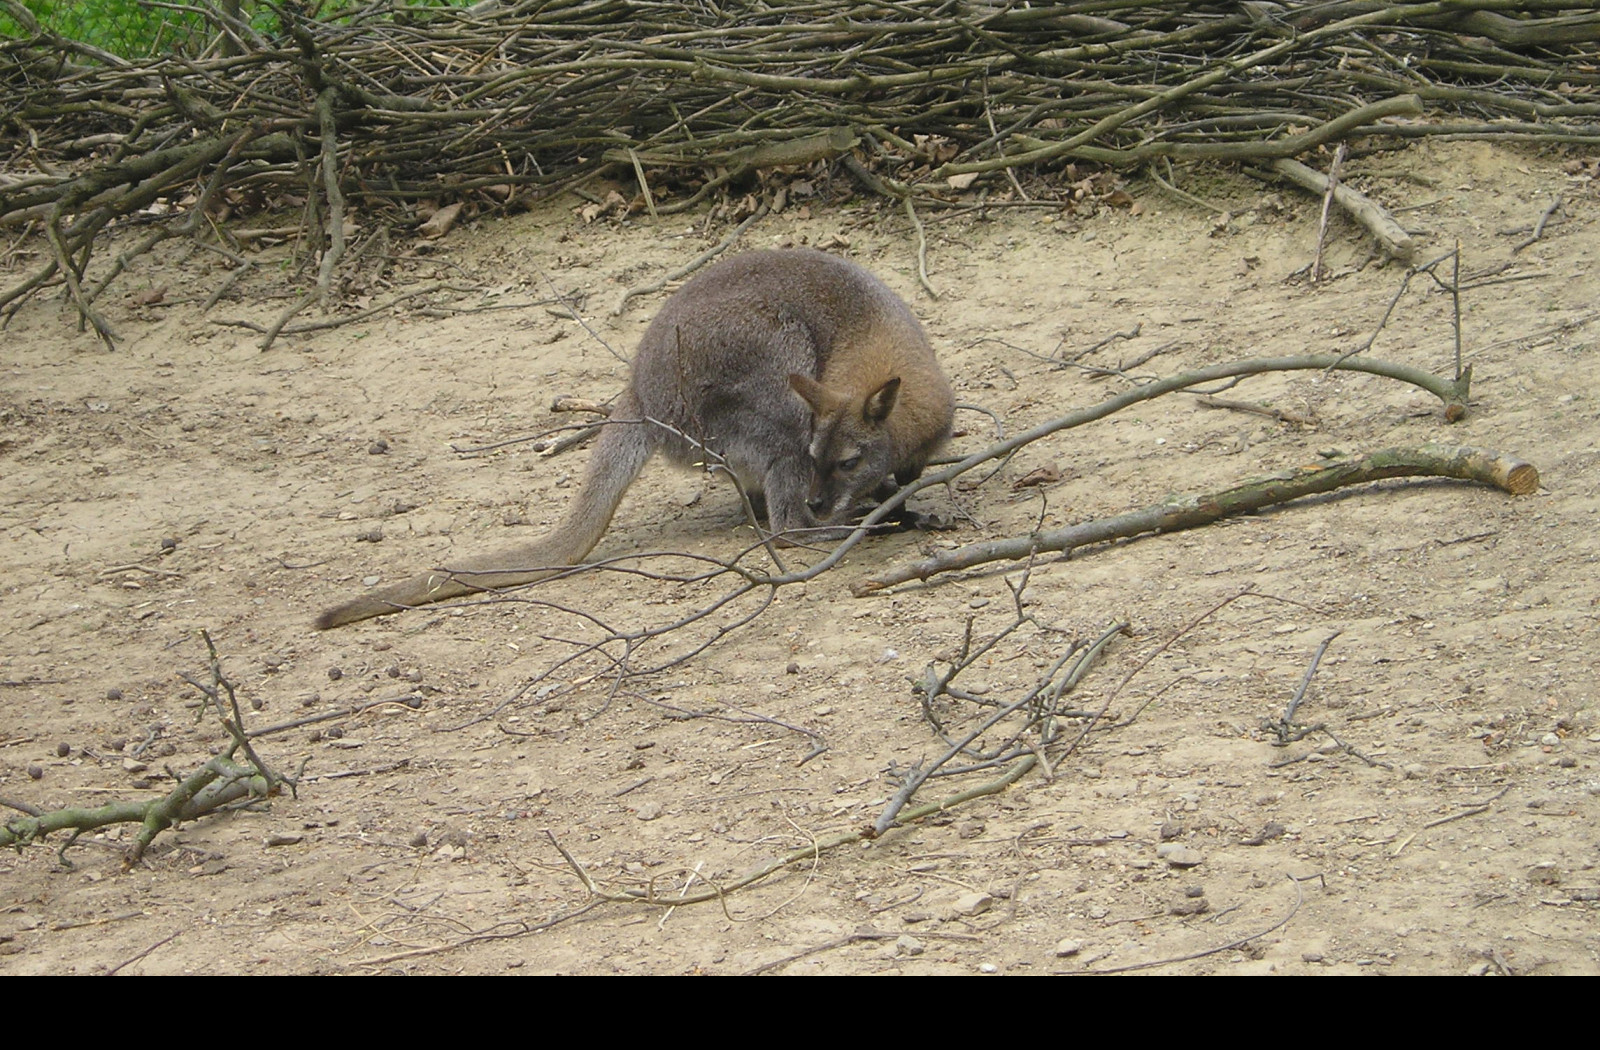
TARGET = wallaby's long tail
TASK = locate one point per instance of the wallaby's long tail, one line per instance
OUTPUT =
(622, 451)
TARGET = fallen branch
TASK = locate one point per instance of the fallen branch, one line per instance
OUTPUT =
(219, 783)
(1390, 235)
(1463, 463)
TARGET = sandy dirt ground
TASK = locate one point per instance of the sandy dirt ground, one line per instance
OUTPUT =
(1443, 819)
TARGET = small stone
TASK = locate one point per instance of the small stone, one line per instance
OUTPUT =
(63, 749)
(971, 904)
(793, 668)
(648, 811)
(285, 839)
(393, 670)
(822, 710)
(35, 771)
(334, 674)
(168, 544)
(1180, 856)
(988, 968)
(419, 839)
(1171, 830)
(133, 765)
(1273, 830)
(1191, 907)
(969, 829)
(1067, 947)
(113, 694)
(906, 944)
(1194, 891)
(378, 447)
(1311, 957)
(1414, 770)
(1550, 740)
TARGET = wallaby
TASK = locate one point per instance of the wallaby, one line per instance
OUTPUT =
(799, 371)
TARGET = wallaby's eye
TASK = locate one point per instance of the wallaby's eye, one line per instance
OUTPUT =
(850, 464)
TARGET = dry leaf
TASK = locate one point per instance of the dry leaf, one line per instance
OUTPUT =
(441, 222)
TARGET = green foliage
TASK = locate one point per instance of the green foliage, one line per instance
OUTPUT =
(135, 30)
(122, 27)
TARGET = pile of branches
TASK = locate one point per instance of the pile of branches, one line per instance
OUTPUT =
(386, 107)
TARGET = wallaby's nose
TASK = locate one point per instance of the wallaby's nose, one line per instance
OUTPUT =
(816, 504)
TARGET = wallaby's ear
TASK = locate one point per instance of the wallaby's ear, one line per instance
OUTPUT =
(810, 391)
(881, 402)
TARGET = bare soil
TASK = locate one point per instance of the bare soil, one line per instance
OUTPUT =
(190, 480)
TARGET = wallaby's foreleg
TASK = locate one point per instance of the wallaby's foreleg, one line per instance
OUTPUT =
(789, 513)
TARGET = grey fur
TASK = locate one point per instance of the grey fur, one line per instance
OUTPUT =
(811, 380)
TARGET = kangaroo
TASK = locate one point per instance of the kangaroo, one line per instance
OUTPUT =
(799, 371)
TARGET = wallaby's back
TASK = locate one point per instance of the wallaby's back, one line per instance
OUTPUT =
(716, 375)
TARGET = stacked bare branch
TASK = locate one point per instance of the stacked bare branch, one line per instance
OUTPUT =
(383, 107)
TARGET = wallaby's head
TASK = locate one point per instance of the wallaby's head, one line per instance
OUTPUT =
(851, 450)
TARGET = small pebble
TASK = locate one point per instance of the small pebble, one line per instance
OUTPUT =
(1068, 947)
(648, 811)
(1180, 856)
(113, 694)
(35, 772)
(334, 674)
(972, 903)
(378, 447)
(63, 749)
(906, 944)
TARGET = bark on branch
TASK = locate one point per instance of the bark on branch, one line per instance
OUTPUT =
(1461, 462)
